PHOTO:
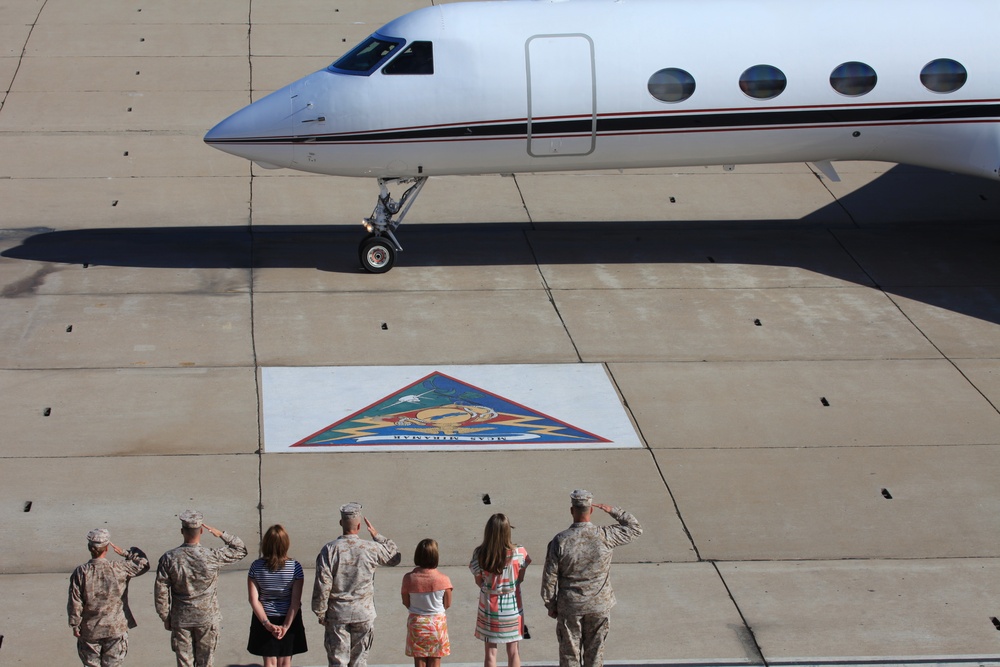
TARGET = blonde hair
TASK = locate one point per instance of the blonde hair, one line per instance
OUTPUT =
(274, 547)
(493, 553)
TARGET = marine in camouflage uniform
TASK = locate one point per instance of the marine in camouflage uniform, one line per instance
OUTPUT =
(344, 591)
(98, 609)
(186, 592)
(576, 580)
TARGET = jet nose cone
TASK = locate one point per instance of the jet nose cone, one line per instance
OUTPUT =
(259, 132)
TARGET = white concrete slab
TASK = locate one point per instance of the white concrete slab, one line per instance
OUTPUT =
(307, 39)
(137, 73)
(119, 111)
(735, 196)
(124, 203)
(720, 325)
(374, 12)
(444, 494)
(12, 39)
(8, 68)
(20, 12)
(828, 503)
(283, 199)
(70, 496)
(127, 12)
(888, 608)
(985, 375)
(128, 412)
(807, 404)
(61, 40)
(115, 331)
(115, 155)
(443, 408)
(420, 328)
(673, 612)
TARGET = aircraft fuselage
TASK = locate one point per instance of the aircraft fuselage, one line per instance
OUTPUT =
(561, 85)
(537, 85)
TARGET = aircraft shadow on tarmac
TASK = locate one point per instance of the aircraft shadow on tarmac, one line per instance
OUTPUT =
(918, 234)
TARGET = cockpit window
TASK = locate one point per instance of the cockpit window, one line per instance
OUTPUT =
(418, 58)
(366, 57)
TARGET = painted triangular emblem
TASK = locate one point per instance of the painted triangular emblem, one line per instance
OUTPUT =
(441, 410)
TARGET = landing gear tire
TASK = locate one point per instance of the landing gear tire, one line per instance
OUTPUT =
(376, 254)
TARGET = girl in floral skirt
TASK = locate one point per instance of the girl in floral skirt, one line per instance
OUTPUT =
(427, 594)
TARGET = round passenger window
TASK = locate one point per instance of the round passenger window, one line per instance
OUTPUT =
(763, 82)
(943, 75)
(671, 85)
(853, 79)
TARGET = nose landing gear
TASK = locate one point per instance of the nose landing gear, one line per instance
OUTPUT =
(378, 249)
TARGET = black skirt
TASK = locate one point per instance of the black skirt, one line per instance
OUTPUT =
(263, 643)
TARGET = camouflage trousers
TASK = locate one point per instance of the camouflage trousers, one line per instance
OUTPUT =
(581, 639)
(194, 647)
(109, 652)
(348, 645)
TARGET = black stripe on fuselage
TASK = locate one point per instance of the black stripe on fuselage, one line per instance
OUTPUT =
(661, 123)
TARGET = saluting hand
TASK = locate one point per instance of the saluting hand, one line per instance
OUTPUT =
(214, 531)
(605, 508)
(371, 528)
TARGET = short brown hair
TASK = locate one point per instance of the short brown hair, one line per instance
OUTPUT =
(426, 554)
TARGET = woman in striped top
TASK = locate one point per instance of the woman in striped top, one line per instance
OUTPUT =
(498, 566)
(274, 587)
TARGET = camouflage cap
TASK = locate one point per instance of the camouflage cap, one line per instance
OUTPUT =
(99, 537)
(191, 519)
(350, 511)
(581, 498)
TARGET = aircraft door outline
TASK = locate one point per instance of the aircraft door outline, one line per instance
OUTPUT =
(562, 95)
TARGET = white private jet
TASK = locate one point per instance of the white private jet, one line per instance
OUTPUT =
(554, 85)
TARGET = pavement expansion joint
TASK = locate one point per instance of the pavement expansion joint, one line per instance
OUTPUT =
(887, 661)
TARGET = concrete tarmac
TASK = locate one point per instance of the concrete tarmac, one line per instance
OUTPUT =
(813, 366)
